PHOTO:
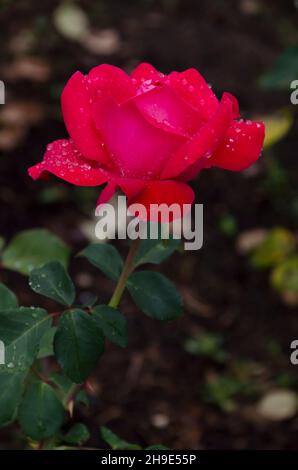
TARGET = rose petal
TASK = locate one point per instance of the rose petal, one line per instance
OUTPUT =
(192, 171)
(235, 104)
(204, 143)
(62, 159)
(192, 87)
(164, 192)
(241, 146)
(163, 108)
(107, 193)
(76, 109)
(137, 148)
(144, 72)
(130, 187)
(107, 80)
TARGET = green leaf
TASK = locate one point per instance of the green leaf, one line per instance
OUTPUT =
(52, 280)
(278, 244)
(155, 251)
(105, 257)
(83, 398)
(155, 295)
(78, 344)
(46, 347)
(207, 345)
(7, 298)
(115, 442)
(2, 243)
(21, 331)
(277, 126)
(41, 413)
(283, 72)
(64, 386)
(223, 390)
(284, 277)
(89, 300)
(33, 248)
(228, 225)
(78, 434)
(112, 323)
(11, 386)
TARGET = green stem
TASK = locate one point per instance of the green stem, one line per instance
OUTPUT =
(71, 393)
(127, 270)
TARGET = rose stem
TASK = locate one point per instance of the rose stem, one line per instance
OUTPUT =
(127, 270)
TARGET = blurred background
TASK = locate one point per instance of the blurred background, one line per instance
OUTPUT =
(221, 376)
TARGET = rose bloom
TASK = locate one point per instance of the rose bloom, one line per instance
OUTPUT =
(147, 134)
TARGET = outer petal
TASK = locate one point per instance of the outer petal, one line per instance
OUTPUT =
(107, 193)
(130, 187)
(204, 143)
(107, 80)
(192, 87)
(76, 109)
(137, 148)
(241, 146)
(164, 192)
(62, 159)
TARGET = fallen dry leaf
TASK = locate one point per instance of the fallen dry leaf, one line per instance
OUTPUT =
(104, 42)
(278, 405)
(11, 137)
(248, 240)
(71, 21)
(21, 113)
(35, 69)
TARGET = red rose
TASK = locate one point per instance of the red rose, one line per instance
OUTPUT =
(147, 134)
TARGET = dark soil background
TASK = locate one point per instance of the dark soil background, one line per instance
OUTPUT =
(155, 391)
